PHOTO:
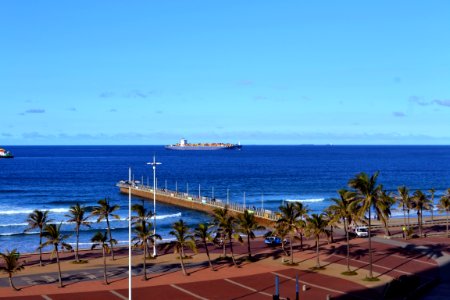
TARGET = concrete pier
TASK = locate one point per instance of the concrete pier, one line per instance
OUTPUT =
(205, 204)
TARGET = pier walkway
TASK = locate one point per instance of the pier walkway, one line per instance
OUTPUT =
(205, 204)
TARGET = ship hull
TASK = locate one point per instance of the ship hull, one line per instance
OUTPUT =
(203, 148)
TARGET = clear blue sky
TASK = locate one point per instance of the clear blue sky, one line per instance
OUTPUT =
(258, 72)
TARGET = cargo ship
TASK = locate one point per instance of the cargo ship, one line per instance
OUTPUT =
(5, 154)
(184, 145)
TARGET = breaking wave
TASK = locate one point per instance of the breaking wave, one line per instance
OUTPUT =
(306, 200)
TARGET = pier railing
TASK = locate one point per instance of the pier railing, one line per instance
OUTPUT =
(203, 200)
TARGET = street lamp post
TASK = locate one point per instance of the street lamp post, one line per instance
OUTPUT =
(129, 234)
(154, 163)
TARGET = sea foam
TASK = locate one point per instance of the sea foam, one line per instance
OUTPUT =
(306, 200)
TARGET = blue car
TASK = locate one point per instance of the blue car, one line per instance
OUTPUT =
(272, 241)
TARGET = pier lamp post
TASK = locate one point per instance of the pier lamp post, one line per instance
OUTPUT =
(154, 163)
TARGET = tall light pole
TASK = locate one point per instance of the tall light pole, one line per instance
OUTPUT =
(129, 233)
(154, 163)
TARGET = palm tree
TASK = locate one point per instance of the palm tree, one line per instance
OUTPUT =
(101, 240)
(367, 190)
(11, 266)
(444, 205)
(332, 220)
(228, 228)
(315, 226)
(77, 216)
(343, 210)
(38, 219)
(143, 216)
(383, 209)
(302, 211)
(54, 237)
(220, 216)
(404, 199)
(144, 234)
(282, 232)
(420, 202)
(247, 224)
(104, 211)
(202, 231)
(290, 219)
(432, 191)
(183, 239)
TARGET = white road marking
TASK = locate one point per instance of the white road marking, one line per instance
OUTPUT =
(375, 265)
(247, 287)
(118, 295)
(188, 292)
(311, 284)
(317, 286)
(414, 259)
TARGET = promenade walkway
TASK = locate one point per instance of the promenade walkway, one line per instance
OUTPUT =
(392, 258)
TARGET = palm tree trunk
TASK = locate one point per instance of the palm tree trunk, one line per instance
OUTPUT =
(370, 246)
(78, 238)
(145, 258)
(409, 222)
(404, 222)
(207, 254)
(301, 241)
(104, 265)
(421, 221)
(110, 237)
(317, 249)
(447, 222)
(59, 266)
(290, 247)
(224, 246)
(331, 234)
(418, 223)
(386, 226)
(348, 245)
(181, 260)
(231, 250)
(248, 247)
(40, 247)
(11, 282)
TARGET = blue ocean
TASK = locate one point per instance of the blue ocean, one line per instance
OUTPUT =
(55, 177)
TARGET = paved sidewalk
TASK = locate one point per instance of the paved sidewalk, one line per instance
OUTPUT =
(436, 252)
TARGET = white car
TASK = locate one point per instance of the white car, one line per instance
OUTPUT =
(361, 231)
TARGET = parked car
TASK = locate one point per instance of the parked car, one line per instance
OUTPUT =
(272, 241)
(361, 231)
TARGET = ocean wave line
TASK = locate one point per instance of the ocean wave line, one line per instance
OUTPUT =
(162, 217)
(306, 200)
(28, 211)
